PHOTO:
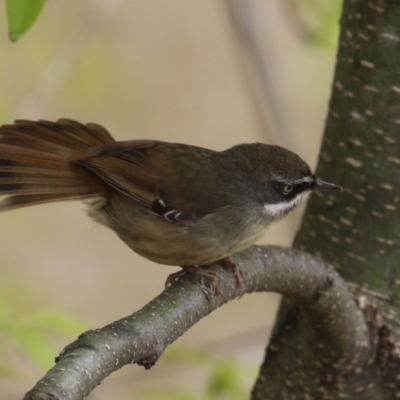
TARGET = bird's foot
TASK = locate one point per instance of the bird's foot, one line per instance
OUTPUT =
(239, 275)
(210, 277)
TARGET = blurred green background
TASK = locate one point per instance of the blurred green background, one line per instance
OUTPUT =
(170, 70)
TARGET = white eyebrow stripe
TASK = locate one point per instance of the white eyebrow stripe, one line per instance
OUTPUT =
(307, 179)
(304, 179)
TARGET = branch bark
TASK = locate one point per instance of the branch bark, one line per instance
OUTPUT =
(328, 308)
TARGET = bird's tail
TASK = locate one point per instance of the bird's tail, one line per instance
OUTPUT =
(39, 162)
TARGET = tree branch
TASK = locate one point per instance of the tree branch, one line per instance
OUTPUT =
(328, 308)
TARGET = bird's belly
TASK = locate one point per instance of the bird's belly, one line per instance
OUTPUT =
(184, 247)
(209, 239)
(172, 243)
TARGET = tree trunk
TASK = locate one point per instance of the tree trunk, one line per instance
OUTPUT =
(357, 231)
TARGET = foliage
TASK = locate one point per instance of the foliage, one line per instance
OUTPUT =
(30, 335)
(319, 19)
(21, 14)
(226, 377)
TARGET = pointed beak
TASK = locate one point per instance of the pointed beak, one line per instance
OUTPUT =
(321, 185)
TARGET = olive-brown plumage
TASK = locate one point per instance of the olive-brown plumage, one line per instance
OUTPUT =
(172, 203)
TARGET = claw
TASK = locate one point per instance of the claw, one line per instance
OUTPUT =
(239, 275)
(211, 276)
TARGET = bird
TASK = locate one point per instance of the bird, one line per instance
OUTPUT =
(172, 203)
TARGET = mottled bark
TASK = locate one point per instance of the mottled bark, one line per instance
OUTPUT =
(332, 317)
(359, 230)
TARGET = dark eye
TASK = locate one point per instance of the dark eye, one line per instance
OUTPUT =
(287, 189)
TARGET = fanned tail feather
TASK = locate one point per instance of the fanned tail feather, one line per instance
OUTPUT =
(39, 162)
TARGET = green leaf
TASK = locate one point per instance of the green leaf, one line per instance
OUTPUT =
(319, 20)
(35, 345)
(21, 14)
(57, 321)
(9, 372)
(187, 355)
(226, 380)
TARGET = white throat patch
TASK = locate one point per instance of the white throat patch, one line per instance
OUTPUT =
(280, 209)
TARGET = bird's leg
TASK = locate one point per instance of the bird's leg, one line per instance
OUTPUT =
(228, 262)
(211, 277)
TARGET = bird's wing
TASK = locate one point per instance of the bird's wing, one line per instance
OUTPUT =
(175, 181)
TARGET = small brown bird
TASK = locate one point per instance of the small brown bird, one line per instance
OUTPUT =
(172, 203)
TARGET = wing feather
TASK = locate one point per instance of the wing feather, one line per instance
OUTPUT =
(170, 180)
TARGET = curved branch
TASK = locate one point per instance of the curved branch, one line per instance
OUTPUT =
(326, 303)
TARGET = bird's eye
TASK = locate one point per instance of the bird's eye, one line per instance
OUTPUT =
(287, 189)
